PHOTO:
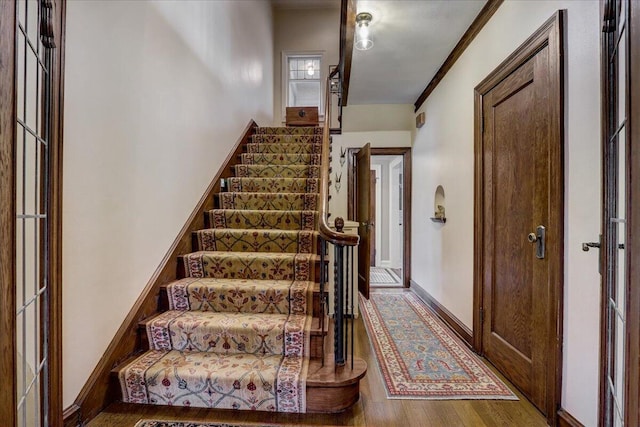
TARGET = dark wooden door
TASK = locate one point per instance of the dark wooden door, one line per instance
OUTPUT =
(522, 221)
(372, 216)
(363, 216)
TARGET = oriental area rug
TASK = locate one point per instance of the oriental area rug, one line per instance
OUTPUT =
(419, 357)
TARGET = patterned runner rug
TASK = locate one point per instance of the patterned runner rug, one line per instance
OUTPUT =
(383, 276)
(419, 357)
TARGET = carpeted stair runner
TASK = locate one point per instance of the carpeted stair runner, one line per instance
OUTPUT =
(238, 329)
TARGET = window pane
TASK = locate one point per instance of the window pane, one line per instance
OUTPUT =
(304, 94)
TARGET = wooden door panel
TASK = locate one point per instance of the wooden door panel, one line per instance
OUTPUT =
(363, 216)
(517, 201)
(518, 187)
(514, 168)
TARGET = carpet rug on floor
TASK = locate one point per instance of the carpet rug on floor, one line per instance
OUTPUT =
(419, 358)
(383, 276)
(159, 423)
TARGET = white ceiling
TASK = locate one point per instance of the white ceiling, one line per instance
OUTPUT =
(412, 38)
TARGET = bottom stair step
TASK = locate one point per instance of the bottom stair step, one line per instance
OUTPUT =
(211, 380)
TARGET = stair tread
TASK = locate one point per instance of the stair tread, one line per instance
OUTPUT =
(260, 219)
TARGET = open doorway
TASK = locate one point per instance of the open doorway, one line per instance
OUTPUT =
(390, 214)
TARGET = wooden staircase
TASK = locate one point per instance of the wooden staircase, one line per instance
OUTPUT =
(264, 228)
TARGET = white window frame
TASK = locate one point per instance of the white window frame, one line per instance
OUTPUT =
(324, 73)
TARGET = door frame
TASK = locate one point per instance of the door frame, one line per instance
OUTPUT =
(8, 401)
(405, 152)
(551, 34)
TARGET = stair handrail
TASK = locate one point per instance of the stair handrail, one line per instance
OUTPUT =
(324, 229)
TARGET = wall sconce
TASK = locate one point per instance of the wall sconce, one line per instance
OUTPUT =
(364, 41)
(343, 156)
(337, 185)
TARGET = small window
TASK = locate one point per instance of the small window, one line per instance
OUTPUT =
(303, 81)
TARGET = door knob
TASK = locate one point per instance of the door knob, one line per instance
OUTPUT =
(587, 245)
(539, 239)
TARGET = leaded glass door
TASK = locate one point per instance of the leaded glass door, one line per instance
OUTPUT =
(615, 290)
(30, 104)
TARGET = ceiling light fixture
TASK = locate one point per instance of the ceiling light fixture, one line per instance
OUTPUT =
(364, 41)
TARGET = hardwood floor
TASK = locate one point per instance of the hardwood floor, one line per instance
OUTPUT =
(373, 409)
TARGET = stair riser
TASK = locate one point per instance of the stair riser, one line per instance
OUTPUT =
(233, 266)
(163, 304)
(301, 220)
(315, 343)
(305, 242)
(270, 272)
(269, 201)
(272, 148)
(229, 333)
(273, 185)
(280, 159)
(287, 139)
(277, 171)
(289, 131)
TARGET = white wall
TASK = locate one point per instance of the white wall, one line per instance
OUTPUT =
(443, 154)
(300, 30)
(156, 94)
(338, 203)
(378, 117)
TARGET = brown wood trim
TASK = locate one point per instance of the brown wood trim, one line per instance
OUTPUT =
(565, 419)
(551, 34)
(55, 214)
(445, 315)
(71, 416)
(7, 214)
(323, 227)
(96, 393)
(483, 17)
(407, 194)
(605, 93)
(347, 33)
(632, 393)
(478, 225)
